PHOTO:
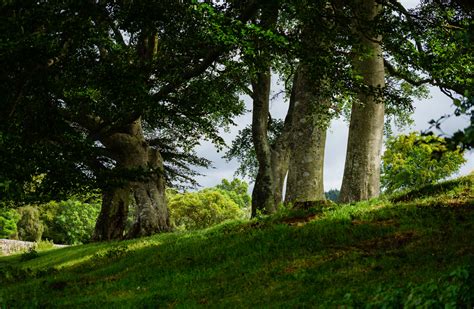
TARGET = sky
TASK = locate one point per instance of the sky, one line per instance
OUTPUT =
(425, 110)
(336, 143)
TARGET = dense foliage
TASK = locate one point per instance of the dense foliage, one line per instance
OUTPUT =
(415, 160)
(8, 220)
(237, 190)
(30, 227)
(70, 221)
(196, 210)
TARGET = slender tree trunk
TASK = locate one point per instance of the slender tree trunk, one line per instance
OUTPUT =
(308, 139)
(262, 195)
(361, 179)
(274, 164)
(134, 155)
(280, 162)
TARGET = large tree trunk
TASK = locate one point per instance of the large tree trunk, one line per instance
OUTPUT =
(361, 179)
(113, 214)
(134, 155)
(152, 212)
(308, 139)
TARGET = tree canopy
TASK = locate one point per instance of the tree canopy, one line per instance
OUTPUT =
(115, 95)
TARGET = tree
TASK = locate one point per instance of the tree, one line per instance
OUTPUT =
(414, 160)
(197, 210)
(237, 191)
(272, 158)
(332, 195)
(440, 46)
(361, 178)
(121, 86)
(313, 78)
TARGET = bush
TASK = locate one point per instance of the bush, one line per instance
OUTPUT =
(201, 209)
(30, 227)
(70, 222)
(412, 161)
(8, 220)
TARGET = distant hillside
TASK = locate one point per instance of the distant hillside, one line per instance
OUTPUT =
(414, 249)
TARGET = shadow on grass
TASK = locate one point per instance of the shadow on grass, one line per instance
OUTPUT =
(259, 262)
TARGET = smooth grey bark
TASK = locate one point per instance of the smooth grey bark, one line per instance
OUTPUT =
(271, 162)
(361, 180)
(308, 139)
(275, 161)
(133, 154)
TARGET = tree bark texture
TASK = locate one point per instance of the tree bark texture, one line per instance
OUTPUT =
(273, 158)
(361, 180)
(113, 214)
(308, 140)
(262, 194)
(134, 155)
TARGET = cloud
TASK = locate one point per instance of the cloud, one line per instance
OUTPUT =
(336, 142)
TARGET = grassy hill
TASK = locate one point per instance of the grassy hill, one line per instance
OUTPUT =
(414, 249)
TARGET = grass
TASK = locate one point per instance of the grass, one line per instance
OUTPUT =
(413, 249)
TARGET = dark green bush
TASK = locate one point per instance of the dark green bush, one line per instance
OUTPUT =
(30, 227)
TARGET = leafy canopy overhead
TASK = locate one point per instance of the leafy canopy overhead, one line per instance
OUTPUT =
(78, 71)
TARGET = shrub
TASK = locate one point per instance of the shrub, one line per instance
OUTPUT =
(201, 209)
(8, 220)
(30, 227)
(70, 221)
(411, 161)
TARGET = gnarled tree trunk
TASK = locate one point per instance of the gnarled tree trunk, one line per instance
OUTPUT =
(152, 212)
(361, 179)
(113, 214)
(147, 187)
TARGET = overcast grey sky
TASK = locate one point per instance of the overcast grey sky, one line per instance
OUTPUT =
(425, 110)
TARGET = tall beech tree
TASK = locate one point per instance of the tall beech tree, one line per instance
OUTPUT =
(361, 179)
(99, 93)
(272, 158)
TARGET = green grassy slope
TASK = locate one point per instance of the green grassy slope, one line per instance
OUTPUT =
(413, 249)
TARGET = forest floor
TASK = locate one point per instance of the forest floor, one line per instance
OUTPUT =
(414, 249)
